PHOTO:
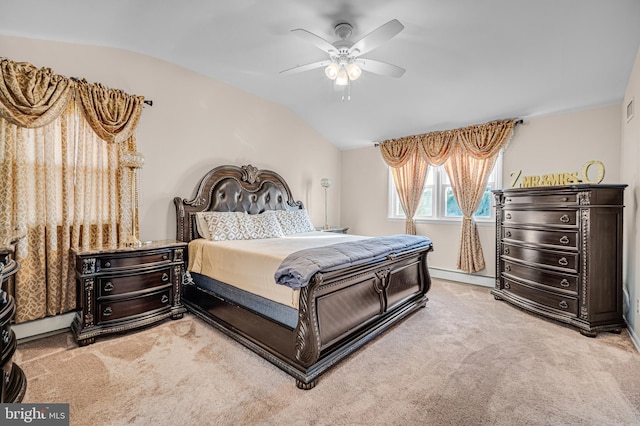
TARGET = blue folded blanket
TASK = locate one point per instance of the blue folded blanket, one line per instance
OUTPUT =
(296, 270)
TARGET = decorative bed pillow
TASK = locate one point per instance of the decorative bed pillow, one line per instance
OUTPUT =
(263, 225)
(224, 226)
(201, 224)
(294, 221)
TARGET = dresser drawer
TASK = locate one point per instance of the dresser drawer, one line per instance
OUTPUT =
(119, 261)
(560, 238)
(121, 284)
(558, 199)
(556, 259)
(560, 303)
(558, 280)
(122, 308)
(540, 217)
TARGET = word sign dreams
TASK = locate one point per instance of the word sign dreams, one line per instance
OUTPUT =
(555, 179)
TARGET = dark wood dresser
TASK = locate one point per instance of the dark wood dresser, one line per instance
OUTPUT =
(559, 253)
(14, 382)
(128, 287)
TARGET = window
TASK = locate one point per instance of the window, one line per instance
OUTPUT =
(439, 204)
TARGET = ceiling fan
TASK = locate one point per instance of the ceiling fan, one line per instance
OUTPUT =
(345, 62)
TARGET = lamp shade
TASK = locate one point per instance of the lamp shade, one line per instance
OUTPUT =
(132, 160)
(353, 71)
(331, 71)
(343, 78)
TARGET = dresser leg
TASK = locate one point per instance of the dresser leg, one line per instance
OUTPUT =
(588, 333)
(177, 316)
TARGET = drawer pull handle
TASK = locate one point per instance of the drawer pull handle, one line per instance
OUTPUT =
(564, 283)
(565, 199)
(508, 200)
(507, 216)
(164, 298)
(107, 264)
(506, 285)
(5, 336)
(165, 277)
(165, 257)
(507, 268)
(565, 218)
(506, 250)
(508, 234)
(107, 311)
(564, 239)
(563, 261)
(108, 286)
(563, 305)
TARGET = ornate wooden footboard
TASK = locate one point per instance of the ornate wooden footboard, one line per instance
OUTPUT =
(339, 311)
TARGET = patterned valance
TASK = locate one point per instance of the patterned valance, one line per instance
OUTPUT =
(33, 97)
(480, 141)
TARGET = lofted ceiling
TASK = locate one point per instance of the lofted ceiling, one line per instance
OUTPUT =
(466, 61)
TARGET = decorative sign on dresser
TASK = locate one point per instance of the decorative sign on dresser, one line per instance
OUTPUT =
(128, 287)
(13, 381)
(559, 253)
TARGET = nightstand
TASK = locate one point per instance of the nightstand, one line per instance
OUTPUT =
(336, 229)
(13, 382)
(127, 287)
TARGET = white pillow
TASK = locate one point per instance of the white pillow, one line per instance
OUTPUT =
(294, 221)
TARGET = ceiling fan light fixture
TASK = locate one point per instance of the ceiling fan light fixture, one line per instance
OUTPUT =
(332, 70)
(342, 78)
(353, 71)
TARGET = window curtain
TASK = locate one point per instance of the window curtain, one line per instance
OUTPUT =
(468, 155)
(409, 170)
(61, 180)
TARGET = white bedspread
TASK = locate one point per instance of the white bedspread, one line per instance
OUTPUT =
(251, 264)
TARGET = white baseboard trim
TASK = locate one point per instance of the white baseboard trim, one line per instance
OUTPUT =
(448, 274)
(634, 337)
(37, 328)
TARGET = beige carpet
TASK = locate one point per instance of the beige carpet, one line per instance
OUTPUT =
(466, 359)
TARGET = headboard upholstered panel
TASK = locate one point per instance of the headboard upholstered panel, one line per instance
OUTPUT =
(233, 189)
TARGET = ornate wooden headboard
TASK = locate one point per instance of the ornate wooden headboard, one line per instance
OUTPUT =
(233, 189)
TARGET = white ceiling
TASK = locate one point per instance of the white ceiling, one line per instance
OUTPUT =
(467, 61)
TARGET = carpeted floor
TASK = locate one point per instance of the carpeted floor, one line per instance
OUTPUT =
(466, 359)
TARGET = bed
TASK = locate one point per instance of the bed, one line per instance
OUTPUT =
(305, 331)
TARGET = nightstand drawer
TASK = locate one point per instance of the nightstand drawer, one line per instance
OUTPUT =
(114, 284)
(119, 261)
(122, 308)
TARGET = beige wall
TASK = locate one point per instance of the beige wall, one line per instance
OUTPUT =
(630, 158)
(195, 124)
(561, 143)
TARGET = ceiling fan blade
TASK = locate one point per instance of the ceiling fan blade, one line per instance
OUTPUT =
(307, 67)
(378, 67)
(317, 41)
(376, 37)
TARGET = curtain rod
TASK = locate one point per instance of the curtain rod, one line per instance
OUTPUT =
(146, 101)
(518, 121)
